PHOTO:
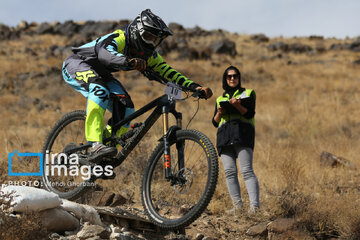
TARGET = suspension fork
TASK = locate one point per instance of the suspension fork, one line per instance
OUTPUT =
(167, 160)
(180, 145)
(169, 134)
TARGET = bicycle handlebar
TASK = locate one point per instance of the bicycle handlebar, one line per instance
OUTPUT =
(155, 76)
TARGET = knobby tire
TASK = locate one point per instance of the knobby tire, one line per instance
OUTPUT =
(157, 194)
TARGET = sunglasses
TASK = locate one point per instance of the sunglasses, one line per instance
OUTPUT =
(230, 76)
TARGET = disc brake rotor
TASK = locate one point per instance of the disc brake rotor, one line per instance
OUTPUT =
(185, 178)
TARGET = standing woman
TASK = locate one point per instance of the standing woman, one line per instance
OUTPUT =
(234, 117)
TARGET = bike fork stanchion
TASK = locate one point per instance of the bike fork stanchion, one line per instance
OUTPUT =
(167, 163)
(180, 145)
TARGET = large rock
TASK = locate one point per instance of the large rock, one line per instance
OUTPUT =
(44, 28)
(224, 46)
(295, 47)
(258, 38)
(58, 220)
(281, 225)
(91, 28)
(259, 229)
(328, 159)
(67, 28)
(93, 232)
(278, 46)
(355, 46)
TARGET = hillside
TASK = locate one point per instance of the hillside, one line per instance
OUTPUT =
(308, 98)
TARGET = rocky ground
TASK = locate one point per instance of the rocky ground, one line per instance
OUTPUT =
(131, 221)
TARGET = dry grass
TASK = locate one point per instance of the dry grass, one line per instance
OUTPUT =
(28, 226)
(306, 104)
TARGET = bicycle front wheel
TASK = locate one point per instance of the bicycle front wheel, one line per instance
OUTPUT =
(176, 204)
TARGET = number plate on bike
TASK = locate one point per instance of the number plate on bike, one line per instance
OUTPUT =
(173, 90)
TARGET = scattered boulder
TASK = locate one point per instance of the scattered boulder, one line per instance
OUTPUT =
(168, 45)
(278, 46)
(58, 220)
(93, 232)
(118, 200)
(259, 229)
(44, 28)
(23, 25)
(355, 46)
(188, 53)
(67, 28)
(197, 32)
(7, 33)
(356, 62)
(337, 46)
(316, 37)
(279, 229)
(320, 48)
(258, 38)
(60, 51)
(281, 225)
(294, 47)
(224, 46)
(90, 28)
(175, 27)
(328, 159)
(299, 48)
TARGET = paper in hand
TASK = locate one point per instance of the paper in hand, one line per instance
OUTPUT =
(242, 96)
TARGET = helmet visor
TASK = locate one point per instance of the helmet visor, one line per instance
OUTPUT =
(150, 38)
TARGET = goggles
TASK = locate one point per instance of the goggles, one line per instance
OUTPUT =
(150, 38)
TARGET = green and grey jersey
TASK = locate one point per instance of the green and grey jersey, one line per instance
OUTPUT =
(111, 53)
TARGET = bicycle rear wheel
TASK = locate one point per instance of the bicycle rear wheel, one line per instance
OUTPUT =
(176, 205)
(62, 177)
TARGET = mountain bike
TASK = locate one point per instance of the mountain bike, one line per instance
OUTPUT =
(181, 174)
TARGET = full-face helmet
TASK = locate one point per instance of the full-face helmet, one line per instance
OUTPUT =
(146, 32)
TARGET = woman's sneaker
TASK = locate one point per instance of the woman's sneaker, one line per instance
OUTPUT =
(253, 210)
(238, 208)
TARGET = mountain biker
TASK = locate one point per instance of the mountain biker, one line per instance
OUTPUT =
(234, 118)
(88, 70)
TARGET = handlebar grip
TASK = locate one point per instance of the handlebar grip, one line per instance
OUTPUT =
(200, 94)
(153, 75)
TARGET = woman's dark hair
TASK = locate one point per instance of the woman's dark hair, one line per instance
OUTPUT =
(226, 87)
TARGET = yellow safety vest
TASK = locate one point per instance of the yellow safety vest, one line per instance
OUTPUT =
(227, 117)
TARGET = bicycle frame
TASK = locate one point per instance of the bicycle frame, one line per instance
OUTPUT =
(163, 106)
